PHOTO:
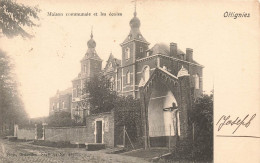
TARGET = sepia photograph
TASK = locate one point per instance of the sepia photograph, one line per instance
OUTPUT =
(132, 81)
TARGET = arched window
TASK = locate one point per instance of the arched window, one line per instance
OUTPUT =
(197, 81)
(128, 75)
(148, 53)
(146, 73)
(127, 53)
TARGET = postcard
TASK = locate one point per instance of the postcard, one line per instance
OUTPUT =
(129, 81)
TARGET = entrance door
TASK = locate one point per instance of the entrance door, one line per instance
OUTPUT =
(99, 131)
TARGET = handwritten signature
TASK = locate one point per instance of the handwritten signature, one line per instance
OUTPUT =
(225, 121)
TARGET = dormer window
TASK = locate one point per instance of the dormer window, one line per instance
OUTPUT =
(127, 53)
(110, 64)
(139, 36)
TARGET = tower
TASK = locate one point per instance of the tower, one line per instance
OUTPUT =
(91, 65)
(133, 47)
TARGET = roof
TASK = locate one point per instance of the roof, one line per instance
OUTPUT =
(66, 91)
(162, 48)
(63, 92)
(115, 62)
(91, 54)
(159, 74)
(135, 34)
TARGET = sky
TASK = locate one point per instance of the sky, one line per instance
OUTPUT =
(51, 59)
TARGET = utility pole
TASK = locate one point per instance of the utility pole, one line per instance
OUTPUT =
(170, 139)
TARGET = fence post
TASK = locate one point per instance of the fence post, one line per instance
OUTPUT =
(36, 134)
(124, 136)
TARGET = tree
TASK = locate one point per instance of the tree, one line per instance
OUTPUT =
(60, 119)
(11, 106)
(102, 98)
(15, 17)
(202, 117)
(127, 113)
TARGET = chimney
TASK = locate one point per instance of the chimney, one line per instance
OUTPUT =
(189, 54)
(173, 50)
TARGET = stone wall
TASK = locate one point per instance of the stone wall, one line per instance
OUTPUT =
(72, 134)
(26, 134)
(85, 134)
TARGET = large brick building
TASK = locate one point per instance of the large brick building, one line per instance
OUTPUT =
(159, 76)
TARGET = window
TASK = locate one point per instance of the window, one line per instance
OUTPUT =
(112, 83)
(119, 84)
(128, 75)
(77, 94)
(139, 36)
(58, 105)
(147, 53)
(85, 68)
(53, 106)
(127, 53)
(141, 49)
(74, 92)
(63, 105)
(146, 73)
(197, 81)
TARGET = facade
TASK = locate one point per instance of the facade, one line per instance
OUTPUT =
(61, 101)
(161, 77)
(164, 78)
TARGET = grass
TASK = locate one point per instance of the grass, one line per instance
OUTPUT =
(148, 154)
